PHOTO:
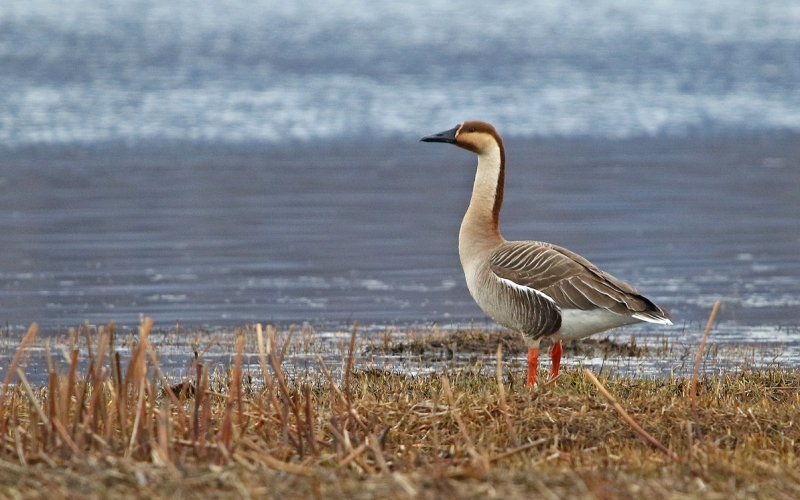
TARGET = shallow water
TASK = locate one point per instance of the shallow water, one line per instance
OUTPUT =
(426, 351)
(368, 231)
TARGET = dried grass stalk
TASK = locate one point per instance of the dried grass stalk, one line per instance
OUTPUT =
(627, 418)
(700, 355)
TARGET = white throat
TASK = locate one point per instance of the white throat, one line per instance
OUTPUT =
(479, 232)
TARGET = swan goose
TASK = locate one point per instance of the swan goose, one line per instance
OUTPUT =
(534, 288)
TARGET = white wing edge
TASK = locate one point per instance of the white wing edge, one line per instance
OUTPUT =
(660, 321)
(524, 288)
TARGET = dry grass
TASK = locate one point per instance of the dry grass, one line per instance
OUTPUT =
(115, 430)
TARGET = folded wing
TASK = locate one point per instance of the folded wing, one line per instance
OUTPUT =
(570, 281)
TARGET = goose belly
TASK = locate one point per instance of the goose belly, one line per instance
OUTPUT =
(577, 324)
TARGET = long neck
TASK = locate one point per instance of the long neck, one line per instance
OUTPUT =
(479, 229)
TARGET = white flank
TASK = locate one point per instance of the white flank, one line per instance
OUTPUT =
(577, 323)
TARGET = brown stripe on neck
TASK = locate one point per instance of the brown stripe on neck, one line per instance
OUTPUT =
(483, 127)
(501, 181)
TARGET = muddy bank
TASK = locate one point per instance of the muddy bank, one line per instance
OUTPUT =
(485, 342)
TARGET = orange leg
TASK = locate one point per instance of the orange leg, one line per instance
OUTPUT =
(555, 355)
(533, 362)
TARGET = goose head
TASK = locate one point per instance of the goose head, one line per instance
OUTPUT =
(476, 136)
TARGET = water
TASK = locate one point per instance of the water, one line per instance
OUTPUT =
(93, 70)
(222, 164)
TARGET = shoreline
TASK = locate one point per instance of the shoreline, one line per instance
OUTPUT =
(421, 350)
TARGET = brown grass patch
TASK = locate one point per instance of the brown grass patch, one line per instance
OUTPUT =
(128, 431)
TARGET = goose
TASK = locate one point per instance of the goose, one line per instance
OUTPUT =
(534, 288)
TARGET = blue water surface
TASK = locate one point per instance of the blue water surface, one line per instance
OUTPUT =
(227, 162)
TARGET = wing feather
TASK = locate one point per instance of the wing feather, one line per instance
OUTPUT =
(571, 281)
(537, 311)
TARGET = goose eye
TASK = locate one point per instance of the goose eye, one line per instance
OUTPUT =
(472, 129)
